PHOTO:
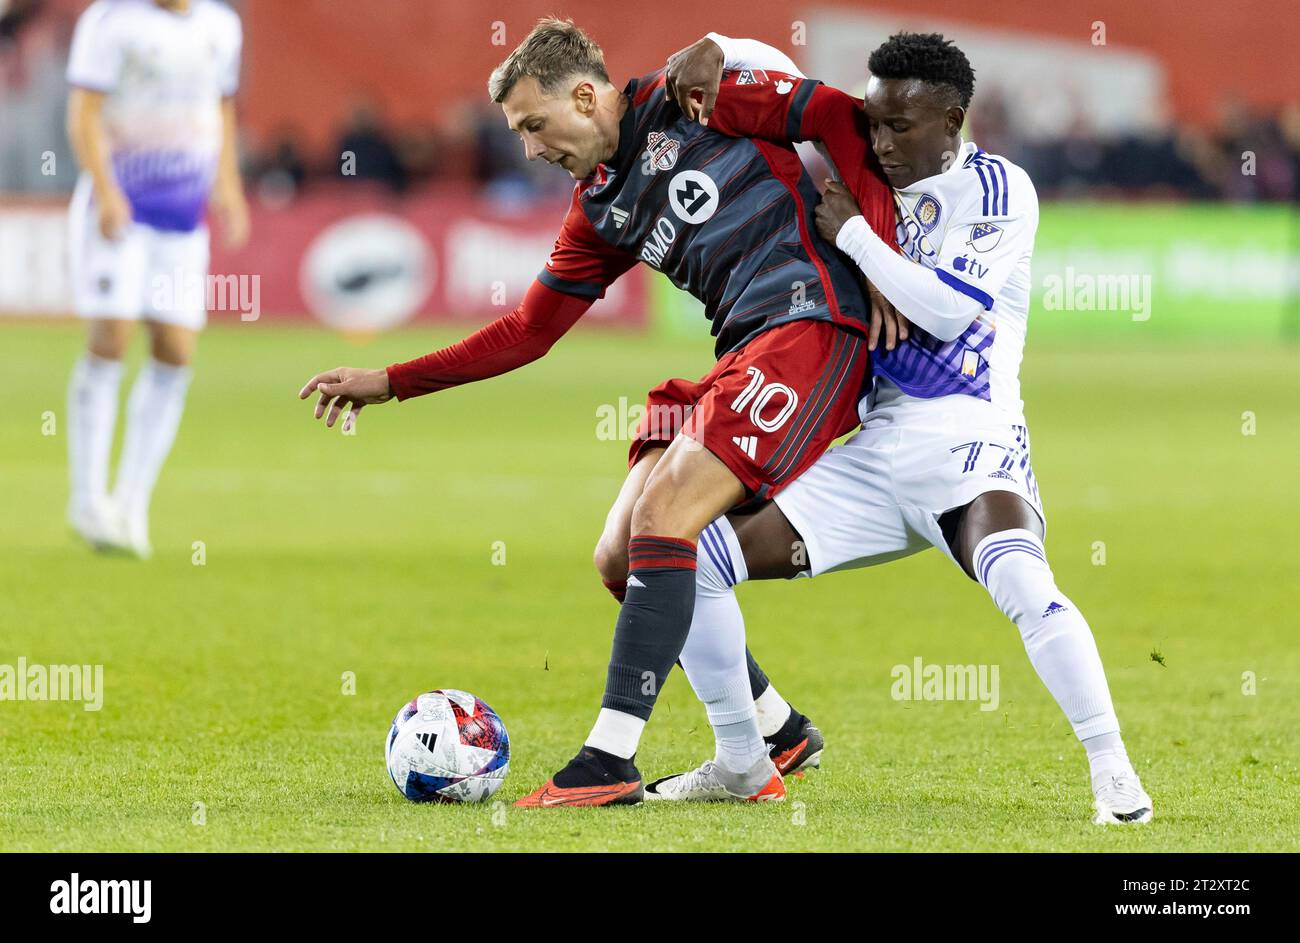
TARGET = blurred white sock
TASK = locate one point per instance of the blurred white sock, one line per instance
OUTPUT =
(92, 413)
(153, 414)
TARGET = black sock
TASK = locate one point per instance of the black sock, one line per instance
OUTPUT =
(652, 624)
(758, 682)
(596, 767)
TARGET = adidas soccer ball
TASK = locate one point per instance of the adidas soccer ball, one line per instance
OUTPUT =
(447, 746)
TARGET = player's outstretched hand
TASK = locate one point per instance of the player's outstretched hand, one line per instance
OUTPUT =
(885, 319)
(836, 208)
(346, 388)
(697, 69)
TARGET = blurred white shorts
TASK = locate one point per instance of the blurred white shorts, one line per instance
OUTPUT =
(879, 496)
(146, 273)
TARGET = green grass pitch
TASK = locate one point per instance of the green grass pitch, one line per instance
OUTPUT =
(225, 727)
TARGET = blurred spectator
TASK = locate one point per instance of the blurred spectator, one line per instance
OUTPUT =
(365, 149)
(280, 171)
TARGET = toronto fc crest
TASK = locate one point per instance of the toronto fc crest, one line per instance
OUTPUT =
(660, 153)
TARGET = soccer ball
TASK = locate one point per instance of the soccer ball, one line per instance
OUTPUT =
(447, 746)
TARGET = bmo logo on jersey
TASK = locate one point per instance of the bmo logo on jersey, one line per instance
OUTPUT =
(693, 196)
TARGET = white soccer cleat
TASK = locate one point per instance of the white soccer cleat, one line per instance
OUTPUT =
(1121, 800)
(125, 534)
(133, 536)
(94, 523)
(705, 784)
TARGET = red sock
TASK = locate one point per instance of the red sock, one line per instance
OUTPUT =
(617, 588)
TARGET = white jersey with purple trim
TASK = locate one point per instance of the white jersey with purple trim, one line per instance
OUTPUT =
(974, 225)
(164, 75)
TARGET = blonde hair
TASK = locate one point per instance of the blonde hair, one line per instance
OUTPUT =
(552, 52)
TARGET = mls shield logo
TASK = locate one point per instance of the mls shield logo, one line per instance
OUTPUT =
(660, 153)
(751, 77)
(693, 196)
(927, 213)
(984, 237)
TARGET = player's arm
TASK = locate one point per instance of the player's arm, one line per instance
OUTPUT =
(580, 268)
(94, 66)
(228, 189)
(745, 91)
(90, 147)
(509, 342)
(775, 101)
(694, 74)
(981, 248)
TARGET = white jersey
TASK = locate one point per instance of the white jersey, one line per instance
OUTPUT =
(974, 225)
(164, 75)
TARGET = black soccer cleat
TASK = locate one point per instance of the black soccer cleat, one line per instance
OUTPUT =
(796, 746)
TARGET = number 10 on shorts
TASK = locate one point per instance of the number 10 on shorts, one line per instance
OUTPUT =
(758, 395)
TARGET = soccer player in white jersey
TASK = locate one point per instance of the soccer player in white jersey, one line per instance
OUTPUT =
(152, 122)
(942, 458)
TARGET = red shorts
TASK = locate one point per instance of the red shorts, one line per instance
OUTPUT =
(768, 410)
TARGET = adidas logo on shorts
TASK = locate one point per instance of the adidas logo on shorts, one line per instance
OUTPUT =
(748, 444)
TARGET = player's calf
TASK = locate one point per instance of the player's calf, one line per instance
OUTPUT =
(1012, 565)
(610, 556)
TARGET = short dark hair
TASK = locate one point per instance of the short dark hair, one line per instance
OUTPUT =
(925, 56)
(551, 53)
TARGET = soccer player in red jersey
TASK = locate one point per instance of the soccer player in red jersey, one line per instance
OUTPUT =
(731, 221)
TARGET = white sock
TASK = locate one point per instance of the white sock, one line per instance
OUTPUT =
(1107, 757)
(773, 711)
(714, 655)
(616, 732)
(153, 414)
(92, 412)
(1012, 565)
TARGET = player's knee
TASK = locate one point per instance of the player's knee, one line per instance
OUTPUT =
(610, 558)
(648, 515)
(109, 338)
(174, 348)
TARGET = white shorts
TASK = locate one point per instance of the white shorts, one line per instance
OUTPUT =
(146, 273)
(879, 496)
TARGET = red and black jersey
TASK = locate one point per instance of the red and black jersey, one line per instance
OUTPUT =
(728, 219)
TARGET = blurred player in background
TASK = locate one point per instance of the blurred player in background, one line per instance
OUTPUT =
(942, 458)
(152, 122)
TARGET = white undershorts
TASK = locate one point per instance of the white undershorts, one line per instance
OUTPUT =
(146, 273)
(879, 496)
